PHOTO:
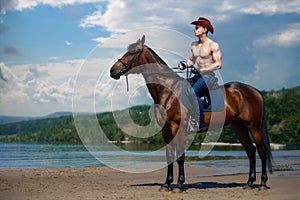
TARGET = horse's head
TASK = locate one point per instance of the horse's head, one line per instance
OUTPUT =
(129, 60)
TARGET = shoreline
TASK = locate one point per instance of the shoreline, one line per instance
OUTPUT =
(107, 183)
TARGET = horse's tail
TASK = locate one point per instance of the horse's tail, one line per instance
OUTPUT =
(266, 142)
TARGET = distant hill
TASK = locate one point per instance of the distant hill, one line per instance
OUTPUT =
(56, 114)
(11, 119)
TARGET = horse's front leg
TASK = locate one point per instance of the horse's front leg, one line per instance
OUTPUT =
(181, 178)
(179, 140)
(170, 159)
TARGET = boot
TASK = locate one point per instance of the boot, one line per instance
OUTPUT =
(202, 126)
(196, 126)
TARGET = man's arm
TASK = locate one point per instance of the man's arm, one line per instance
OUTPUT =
(189, 63)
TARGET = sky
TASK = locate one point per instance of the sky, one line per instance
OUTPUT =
(55, 55)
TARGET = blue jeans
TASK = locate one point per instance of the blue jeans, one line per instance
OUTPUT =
(200, 87)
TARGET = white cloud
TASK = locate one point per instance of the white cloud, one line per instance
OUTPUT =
(120, 12)
(275, 67)
(253, 7)
(49, 86)
(30, 4)
(36, 84)
(121, 16)
(101, 39)
(13, 88)
(68, 43)
(54, 58)
(271, 7)
(267, 75)
(285, 37)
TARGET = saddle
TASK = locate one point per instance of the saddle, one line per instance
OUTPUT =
(212, 100)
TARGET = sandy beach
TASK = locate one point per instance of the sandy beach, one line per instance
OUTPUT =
(106, 183)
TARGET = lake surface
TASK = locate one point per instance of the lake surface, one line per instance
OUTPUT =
(18, 155)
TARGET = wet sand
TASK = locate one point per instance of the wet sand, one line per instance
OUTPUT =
(106, 183)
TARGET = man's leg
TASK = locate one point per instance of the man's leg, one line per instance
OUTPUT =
(197, 115)
(202, 126)
(200, 88)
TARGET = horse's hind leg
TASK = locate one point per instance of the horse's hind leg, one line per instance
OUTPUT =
(180, 161)
(257, 135)
(243, 135)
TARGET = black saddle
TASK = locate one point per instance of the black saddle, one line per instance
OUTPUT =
(212, 99)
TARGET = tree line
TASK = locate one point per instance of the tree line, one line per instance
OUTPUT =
(282, 109)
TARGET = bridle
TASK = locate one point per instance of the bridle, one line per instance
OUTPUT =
(128, 66)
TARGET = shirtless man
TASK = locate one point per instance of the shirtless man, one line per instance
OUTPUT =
(207, 55)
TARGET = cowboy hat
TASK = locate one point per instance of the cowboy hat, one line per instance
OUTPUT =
(205, 23)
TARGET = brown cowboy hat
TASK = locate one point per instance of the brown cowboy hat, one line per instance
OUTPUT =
(205, 23)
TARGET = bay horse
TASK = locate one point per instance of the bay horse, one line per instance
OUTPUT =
(244, 111)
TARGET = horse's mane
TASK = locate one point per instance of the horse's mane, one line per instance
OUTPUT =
(159, 60)
(157, 57)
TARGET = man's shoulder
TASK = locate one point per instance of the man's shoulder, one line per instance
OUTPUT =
(195, 43)
(214, 45)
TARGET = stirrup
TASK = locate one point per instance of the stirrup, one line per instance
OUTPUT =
(196, 127)
(192, 126)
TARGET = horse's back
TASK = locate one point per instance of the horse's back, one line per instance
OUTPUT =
(244, 101)
(247, 92)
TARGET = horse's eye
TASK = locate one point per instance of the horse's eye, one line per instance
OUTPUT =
(131, 53)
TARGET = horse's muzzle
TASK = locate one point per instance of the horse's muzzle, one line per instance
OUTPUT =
(116, 73)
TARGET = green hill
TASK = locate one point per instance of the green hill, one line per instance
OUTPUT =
(283, 118)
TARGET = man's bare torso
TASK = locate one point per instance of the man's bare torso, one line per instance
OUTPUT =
(202, 54)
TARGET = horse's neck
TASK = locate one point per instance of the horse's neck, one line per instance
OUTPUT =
(160, 82)
(160, 79)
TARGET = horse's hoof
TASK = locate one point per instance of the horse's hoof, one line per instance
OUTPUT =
(164, 188)
(263, 188)
(247, 187)
(177, 190)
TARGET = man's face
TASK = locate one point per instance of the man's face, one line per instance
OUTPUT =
(199, 30)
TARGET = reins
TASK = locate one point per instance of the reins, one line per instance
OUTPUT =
(128, 66)
(187, 75)
(127, 84)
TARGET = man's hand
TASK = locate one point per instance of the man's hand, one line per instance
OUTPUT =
(194, 70)
(182, 65)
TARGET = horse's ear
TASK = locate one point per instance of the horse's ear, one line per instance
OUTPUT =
(143, 40)
(140, 42)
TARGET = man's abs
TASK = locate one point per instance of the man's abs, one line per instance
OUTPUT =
(204, 62)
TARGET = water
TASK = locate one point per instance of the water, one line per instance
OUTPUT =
(18, 155)
(15, 155)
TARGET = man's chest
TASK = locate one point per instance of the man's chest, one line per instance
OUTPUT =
(201, 51)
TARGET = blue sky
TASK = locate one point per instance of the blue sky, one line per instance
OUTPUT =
(47, 32)
(44, 44)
